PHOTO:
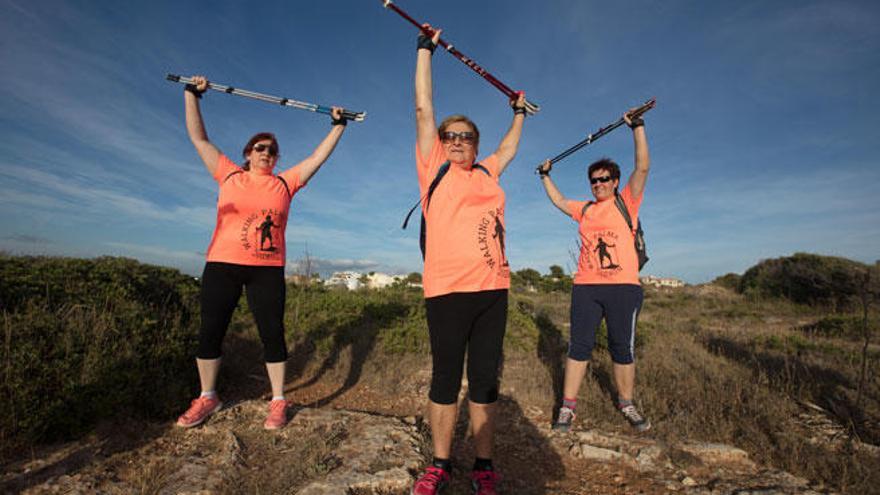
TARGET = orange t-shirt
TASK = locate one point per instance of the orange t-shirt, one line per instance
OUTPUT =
(464, 245)
(608, 255)
(252, 211)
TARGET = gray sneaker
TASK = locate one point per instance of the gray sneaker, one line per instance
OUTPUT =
(564, 420)
(635, 418)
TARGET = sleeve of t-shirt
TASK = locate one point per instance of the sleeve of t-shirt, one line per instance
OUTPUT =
(491, 164)
(292, 177)
(427, 166)
(632, 204)
(225, 166)
(576, 209)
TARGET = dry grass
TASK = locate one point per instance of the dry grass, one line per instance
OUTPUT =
(712, 366)
(270, 467)
(719, 367)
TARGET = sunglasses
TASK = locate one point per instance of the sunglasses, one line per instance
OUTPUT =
(259, 148)
(466, 137)
(603, 179)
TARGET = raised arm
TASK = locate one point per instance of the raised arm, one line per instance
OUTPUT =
(310, 165)
(426, 125)
(195, 126)
(643, 161)
(507, 149)
(553, 193)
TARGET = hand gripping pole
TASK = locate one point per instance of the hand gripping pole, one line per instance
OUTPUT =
(531, 108)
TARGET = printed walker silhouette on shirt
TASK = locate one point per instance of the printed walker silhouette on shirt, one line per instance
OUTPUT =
(265, 230)
(499, 234)
(602, 249)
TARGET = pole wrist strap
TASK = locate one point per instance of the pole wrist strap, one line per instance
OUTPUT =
(426, 43)
(192, 89)
(636, 122)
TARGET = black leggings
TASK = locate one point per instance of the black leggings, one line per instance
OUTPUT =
(221, 289)
(471, 322)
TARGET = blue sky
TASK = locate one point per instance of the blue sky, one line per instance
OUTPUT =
(764, 141)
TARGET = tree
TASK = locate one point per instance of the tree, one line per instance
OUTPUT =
(527, 278)
(414, 278)
(556, 280)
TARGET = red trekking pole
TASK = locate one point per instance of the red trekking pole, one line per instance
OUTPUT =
(531, 108)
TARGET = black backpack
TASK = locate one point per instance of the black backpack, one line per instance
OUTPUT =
(639, 238)
(441, 172)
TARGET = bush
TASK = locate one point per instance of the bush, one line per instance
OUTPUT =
(331, 318)
(730, 281)
(839, 326)
(87, 340)
(808, 279)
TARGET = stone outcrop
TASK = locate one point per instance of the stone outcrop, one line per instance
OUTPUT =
(359, 453)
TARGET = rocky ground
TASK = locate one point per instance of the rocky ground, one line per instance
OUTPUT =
(364, 442)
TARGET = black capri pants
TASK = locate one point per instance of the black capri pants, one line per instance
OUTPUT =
(221, 290)
(619, 304)
(472, 323)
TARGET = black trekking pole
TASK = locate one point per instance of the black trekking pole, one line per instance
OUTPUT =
(601, 132)
(531, 108)
(346, 114)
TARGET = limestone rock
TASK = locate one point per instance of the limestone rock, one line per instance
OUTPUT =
(716, 453)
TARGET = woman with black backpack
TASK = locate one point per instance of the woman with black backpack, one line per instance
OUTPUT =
(606, 284)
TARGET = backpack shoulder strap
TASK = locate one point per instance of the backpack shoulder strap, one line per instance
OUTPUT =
(234, 172)
(623, 211)
(584, 209)
(484, 169)
(441, 172)
(284, 183)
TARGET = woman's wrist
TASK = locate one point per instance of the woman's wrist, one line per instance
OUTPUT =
(425, 42)
(191, 88)
(636, 122)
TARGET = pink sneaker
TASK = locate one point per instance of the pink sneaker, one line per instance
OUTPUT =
(198, 411)
(484, 482)
(431, 482)
(277, 417)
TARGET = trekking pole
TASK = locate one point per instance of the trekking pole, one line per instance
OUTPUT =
(601, 132)
(346, 114)
(531, 108)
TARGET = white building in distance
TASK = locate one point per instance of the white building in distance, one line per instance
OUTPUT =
(353, 280)
(661, 281)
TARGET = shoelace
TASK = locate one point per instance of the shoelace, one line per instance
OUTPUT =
(486, 479)
(565, 415)
(277, 411)
(432, 476)
(632, 414)
(203, 406)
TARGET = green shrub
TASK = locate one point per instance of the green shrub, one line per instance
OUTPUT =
(522, 332)
(330, 317)
(839, 326)
(90, 339)
(729, 280)
(808, 279)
